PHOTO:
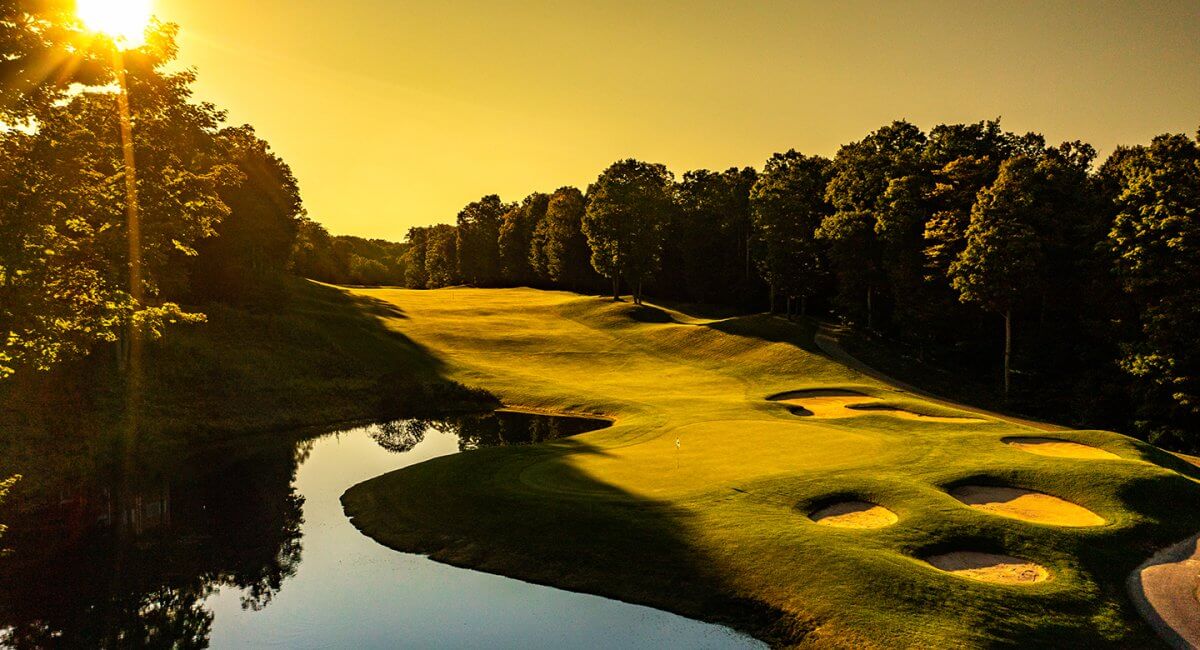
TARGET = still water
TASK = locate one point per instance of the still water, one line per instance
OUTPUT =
(253, 550)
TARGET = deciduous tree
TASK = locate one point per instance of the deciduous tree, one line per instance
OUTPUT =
(1155, 241)
(787, 206)
(478, 247)
(627, 208)
(999, 264)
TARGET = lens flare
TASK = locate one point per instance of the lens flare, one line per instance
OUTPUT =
(125, 21)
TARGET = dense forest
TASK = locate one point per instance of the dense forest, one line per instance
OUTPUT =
(1068, 279)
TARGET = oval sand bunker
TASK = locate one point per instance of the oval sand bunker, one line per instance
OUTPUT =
(990, 567)
(1026, 505)
(1058, 448)
(839, 403)
(854, 514)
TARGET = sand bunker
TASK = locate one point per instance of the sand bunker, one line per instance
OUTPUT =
(854, 514)
(990, 567)
(1166, 590)
(1057, 448)
(835, 403)
(1026, 505)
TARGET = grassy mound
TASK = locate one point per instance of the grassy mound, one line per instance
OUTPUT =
(697, 499)
(319, 356)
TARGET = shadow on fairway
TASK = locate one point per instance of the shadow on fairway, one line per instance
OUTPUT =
(588, 537)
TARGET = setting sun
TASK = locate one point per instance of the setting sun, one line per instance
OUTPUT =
(124, 20)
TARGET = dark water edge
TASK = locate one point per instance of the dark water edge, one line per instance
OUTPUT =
(245, 545)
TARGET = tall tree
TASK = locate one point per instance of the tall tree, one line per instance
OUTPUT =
(627, 208)
(441, 256)
(1155, 241)
(246, 258)
(516, 236)
(415, 274)
(788, 205)
(312, 252)
(478, 246)
(64, 280)
(706, 238)
(559, 250)
(862, 174)
(999, 264)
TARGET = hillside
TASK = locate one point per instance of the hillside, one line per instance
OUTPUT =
(703, 499)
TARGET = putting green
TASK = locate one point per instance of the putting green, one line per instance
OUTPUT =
(698, 498)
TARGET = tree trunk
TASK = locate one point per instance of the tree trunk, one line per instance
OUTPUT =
(749, 234)
(803, 305)
(870, 311)
(788, 307)
(638, 296)
(1007, 349)
(772, 297)
(616, 280)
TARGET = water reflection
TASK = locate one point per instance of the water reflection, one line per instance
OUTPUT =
(247, 546)
(477, 430)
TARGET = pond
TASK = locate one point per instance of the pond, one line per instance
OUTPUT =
(251, 548)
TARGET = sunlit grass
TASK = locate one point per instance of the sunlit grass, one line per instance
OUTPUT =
(716, 527)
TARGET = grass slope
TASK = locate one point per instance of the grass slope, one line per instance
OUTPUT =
(715, 527)
(319, 356)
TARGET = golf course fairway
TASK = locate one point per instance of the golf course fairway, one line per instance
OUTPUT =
(700, 499)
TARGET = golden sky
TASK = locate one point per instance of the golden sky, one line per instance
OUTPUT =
(394, 114)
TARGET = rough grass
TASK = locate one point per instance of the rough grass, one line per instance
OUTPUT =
(715, 527)
(318, 356)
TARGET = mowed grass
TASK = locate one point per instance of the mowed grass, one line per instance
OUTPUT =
(696, 501)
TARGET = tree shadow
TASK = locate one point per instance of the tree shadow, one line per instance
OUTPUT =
(645, 556)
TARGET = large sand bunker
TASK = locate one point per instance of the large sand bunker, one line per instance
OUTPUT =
(990, 567)
(854, 514)
(1026, 505)
(835, 403)
(1057, 448)
(1166, 590)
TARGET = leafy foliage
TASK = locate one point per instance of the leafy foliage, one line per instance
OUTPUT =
(559, 250)
(788, 205)
(478, 244)
(627, 210)
(516, 238)
(1155, 241)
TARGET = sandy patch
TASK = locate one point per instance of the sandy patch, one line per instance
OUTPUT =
(1057, 448)
(1166, 590)
(854, 514)
(1026, 505)
(990, 567)
(835, 403)
(909, 415)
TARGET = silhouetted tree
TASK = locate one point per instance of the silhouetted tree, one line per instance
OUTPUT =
(999, 264)
(250, 252)
(478, 246)
(559, 250)
(1155, 241)
(516, 237)
(441, 256)
(415, 274)
(862, 174)
(788, 205)
(627, 208)
(705, 240)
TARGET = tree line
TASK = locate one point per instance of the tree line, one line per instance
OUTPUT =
(1075, 282)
